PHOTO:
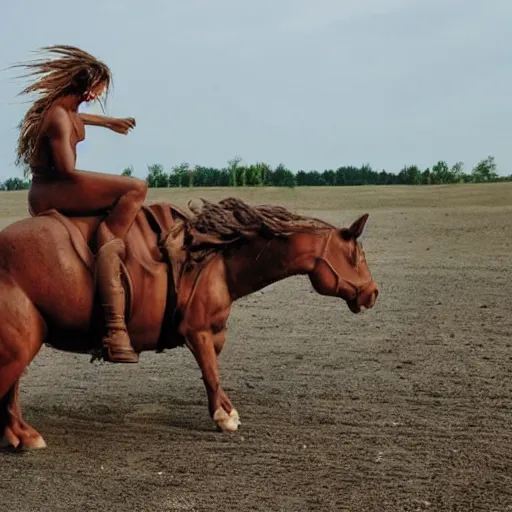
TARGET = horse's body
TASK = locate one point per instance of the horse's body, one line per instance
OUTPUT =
(47, 292)
(61, 284)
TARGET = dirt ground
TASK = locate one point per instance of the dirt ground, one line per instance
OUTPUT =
(405, 407)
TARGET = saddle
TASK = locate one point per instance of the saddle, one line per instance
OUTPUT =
(154, 247)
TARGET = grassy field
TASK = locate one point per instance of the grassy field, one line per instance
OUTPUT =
(406, 407)
(13, 204)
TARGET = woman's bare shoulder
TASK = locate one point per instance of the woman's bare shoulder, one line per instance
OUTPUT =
(57, 119)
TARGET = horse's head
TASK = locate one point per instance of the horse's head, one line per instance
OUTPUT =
(341, 269)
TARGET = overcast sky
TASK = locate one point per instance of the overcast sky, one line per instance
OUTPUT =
(313, 84)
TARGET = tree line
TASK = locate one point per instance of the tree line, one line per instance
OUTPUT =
(237, 174)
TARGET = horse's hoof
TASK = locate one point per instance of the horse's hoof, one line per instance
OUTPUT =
(10, 441)
(226, 422)
(9, 444)
(16, 445)
(35, 443)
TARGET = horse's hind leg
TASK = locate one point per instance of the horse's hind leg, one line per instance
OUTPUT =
(22, 332)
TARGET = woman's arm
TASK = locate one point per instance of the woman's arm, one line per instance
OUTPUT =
(114, 124)
(95, 120)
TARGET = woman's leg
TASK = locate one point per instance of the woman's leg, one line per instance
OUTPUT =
(87, 194)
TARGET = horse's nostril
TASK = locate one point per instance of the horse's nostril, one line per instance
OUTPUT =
(372, 297)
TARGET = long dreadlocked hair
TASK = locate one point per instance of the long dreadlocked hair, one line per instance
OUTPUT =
(215, 226)
(73, 71)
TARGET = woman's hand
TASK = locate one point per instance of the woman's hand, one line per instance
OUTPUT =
(122, 125)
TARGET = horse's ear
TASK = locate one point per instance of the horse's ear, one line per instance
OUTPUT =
(356, 229)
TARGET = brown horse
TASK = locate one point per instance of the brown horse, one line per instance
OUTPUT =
(182, 272)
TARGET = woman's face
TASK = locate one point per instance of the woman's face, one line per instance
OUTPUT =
(95, 91)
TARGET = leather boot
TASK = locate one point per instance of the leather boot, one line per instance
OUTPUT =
(117, 347)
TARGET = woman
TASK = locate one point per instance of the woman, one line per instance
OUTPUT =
(47, 142)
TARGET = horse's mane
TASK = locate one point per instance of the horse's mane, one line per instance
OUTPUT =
(213, 227)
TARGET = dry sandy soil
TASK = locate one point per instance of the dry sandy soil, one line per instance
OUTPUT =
(405, 407)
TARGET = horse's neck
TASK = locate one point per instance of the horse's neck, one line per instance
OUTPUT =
(262, 262)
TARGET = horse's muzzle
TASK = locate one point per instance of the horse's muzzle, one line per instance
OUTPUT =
(366, 298)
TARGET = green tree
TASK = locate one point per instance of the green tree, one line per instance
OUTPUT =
(485, 170)
(15, 184)
(349, 175)
(283, 177)
(265, 172)
(441, 173)
(156, 177)
(181, 175)
(410, 175)
(368, 175)
(304, 179)
(233, 170)
(241, 175)
(457, 172)
(207, 177)
(191, 176)
(329, 177)
(127, 171)
(385, 178)
(260, 173)
(254, 175)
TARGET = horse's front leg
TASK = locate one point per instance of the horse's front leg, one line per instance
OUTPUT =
(206, 346)
(15, 431)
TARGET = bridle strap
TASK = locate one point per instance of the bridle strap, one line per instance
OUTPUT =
(323, 257)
